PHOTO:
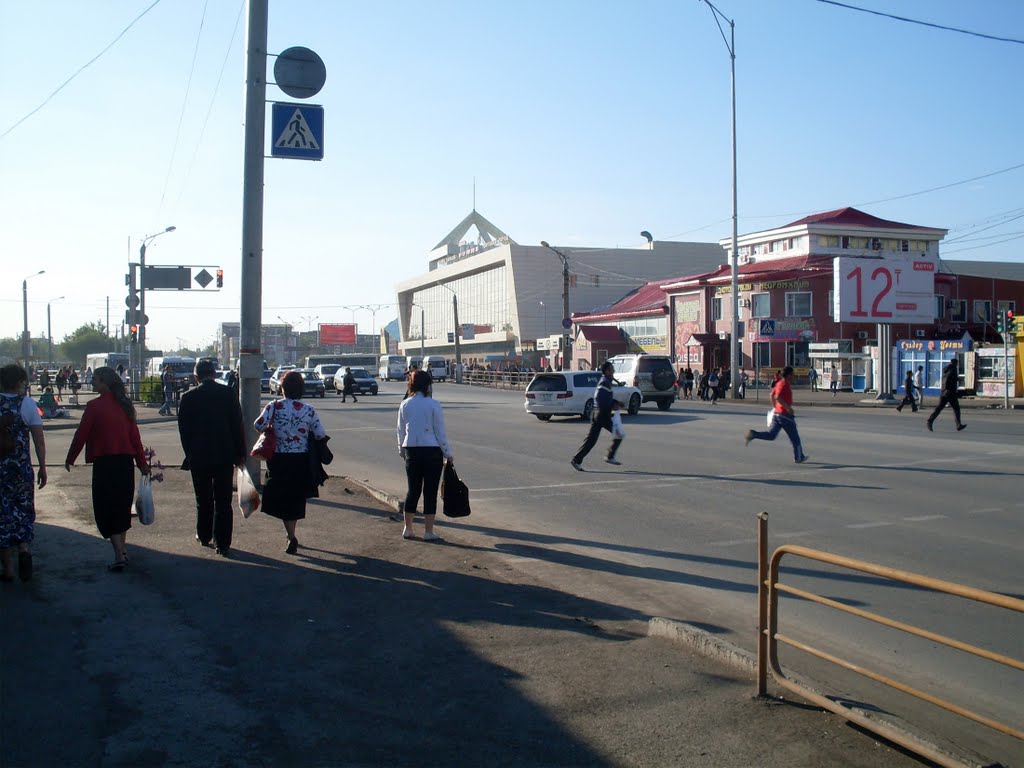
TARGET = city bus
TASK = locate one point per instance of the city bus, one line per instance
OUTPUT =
(183, 368)
(102, 360)
(391, 367)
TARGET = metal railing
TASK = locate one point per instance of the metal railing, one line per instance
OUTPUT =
(769, 588)
(498, 379)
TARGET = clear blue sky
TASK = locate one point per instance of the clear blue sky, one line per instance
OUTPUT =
(583, 122)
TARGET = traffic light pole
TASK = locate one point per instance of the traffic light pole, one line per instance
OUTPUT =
(1006, 369)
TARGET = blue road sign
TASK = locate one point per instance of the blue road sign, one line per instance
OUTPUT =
(297, 131)
(765, 327)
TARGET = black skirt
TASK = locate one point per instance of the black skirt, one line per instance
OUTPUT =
(113, 493)
(284, 493)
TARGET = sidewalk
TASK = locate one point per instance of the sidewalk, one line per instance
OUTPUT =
(363, 649)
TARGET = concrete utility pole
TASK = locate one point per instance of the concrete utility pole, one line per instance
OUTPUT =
(565, 303)
(250, 357)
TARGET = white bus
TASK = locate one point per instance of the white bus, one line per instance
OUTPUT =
(413, 361)
(391, 367)
(183, 368)
(437, 367)
(102, 360)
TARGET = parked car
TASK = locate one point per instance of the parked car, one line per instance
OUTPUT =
(653, 375)
(571, 393)
(313, 385)
(326, 372)
(364, 383)
(274, 383)
(265, 380)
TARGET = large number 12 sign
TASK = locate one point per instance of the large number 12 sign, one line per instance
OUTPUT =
(898, 289)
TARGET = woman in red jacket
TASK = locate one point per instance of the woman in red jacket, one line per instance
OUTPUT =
(112, 443)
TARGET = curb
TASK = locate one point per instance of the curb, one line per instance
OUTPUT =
(395, 502)
(703, 642)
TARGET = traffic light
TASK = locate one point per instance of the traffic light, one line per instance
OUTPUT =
(135, 334)
(1009, 321)
(220, 278)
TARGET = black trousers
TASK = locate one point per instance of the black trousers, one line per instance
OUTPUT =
(953, 401)
(603, 420)
(423, 476)
(213, 503)
(908, 399)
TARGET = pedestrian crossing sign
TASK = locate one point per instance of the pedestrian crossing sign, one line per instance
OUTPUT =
(297, 131)
(766, 327)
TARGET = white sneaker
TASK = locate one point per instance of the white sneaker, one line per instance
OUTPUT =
(616, 462)
(431, 536)
(407, 533)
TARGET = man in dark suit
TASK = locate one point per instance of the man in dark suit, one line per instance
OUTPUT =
(210, 426)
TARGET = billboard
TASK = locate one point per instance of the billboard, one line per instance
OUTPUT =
(894, 289)
(338, 333)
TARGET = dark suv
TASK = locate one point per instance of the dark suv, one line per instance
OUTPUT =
(653, 375)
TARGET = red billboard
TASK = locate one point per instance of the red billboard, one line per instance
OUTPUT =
(338, 333)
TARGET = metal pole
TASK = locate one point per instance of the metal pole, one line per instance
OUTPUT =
(565, 311)
(736, 345)
(1006, 367)
(762, 604)
(49, 337)
(423, 332)
(107, 329)
(250, 358)
(25, 352)
(458, 350)
(140, 318)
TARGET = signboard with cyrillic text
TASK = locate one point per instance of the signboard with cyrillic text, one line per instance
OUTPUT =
(894, 289)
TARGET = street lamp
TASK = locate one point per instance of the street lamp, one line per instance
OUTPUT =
(649, 238)
(49, 333)
(26, 341)
(455, 336)
(734, 343)
(141, 321)
(423, 330)
(565, 300)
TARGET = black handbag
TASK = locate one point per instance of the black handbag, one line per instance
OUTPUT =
(454, 493)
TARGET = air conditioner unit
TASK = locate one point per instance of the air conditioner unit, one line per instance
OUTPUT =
(952, 303)
(876, 244)
(920, 334)
(744, 302)
(862, 334)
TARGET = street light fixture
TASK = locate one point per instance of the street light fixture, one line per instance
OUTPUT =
(142, 289)
(565, 301)
(26, 341)
(423, 329)
(734, 345)
(49, 333)
(455, 336)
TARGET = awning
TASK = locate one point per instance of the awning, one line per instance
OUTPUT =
(704, 340)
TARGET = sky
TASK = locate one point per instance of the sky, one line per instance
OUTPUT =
(580, 122)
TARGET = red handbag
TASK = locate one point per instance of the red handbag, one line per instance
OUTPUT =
(266, 444)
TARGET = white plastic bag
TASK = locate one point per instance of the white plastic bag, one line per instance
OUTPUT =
(248, 496)
(617, 430)
(144, 501)
(771, 418)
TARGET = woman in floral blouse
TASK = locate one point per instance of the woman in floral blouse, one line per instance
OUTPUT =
(295, 425)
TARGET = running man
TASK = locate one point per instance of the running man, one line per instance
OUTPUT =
(784, 418)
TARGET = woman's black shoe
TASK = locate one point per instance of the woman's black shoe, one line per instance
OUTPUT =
(293, 546)
(24, 566)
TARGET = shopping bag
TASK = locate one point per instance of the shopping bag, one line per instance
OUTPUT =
(771, 417)
(248, 496)
(265, 445)
(617, 429)
(454, 493)
(144, 501)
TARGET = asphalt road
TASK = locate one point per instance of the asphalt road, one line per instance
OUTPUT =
(672, 532)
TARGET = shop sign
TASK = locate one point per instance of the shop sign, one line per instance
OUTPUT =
(934, 345)
(728, 288)
(790, 285)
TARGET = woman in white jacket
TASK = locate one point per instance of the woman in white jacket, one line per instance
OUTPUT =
(423, 444)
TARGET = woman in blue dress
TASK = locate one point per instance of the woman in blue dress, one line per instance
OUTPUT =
(19, 418)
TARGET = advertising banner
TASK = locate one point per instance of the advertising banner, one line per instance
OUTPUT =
(894, 289)
(338, 333)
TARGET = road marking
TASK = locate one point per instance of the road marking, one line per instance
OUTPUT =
(987, 509)
(879, 524)
(923, 518)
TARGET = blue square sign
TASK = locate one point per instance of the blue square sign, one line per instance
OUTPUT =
(297, 131)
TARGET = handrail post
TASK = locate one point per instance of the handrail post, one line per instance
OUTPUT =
(762, 604)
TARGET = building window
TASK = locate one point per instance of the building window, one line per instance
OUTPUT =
(760, 305)
(762, 354)
(905, 245)
(831, 304)
(828, 241)
(843, 346)
(940, 306)
(798, 354)
(595, 280)
(716, 308)
(798, 304)
(957, 310)
(982, 311)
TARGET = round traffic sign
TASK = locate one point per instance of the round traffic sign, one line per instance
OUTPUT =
(299, 72)
(132, 301)
(566, 323)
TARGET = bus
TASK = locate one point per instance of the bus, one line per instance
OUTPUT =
(391, 367)
(183, 368)
(102, 360)
(437, 367)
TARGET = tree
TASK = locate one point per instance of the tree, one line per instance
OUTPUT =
(10, 347)
(85, 340)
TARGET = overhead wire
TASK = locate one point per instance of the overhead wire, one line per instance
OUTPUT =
(80, 69)
(924, 23)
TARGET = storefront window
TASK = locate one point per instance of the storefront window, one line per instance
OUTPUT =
(798, 354)
(762, 354)
(716, 308)
(760, 305)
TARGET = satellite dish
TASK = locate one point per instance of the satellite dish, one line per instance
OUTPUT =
(300, 72)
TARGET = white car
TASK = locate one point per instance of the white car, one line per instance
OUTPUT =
(571, 393)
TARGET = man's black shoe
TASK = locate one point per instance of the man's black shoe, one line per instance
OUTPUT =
(224, 551)
(201, 542)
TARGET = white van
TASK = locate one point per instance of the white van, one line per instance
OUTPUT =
(391, 367)
(437, 367)
(413, 361)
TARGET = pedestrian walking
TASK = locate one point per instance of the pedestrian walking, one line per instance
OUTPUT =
(110, 435)
(290, 482)
(605, 400)
(949, 396)
(713, 386)
(783, 417)
(423, 444)
(908, 393)
(213, 440)
(919, 385)
(689, 383)
(19, 421)
(834, 380)
(348, 383)
(744, 380)
(167, 380)
(812, 377)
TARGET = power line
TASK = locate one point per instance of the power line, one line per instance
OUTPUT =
(80, 70)
(925, 23)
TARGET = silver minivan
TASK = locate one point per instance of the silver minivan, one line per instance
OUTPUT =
(653, 375)
(571, 393)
